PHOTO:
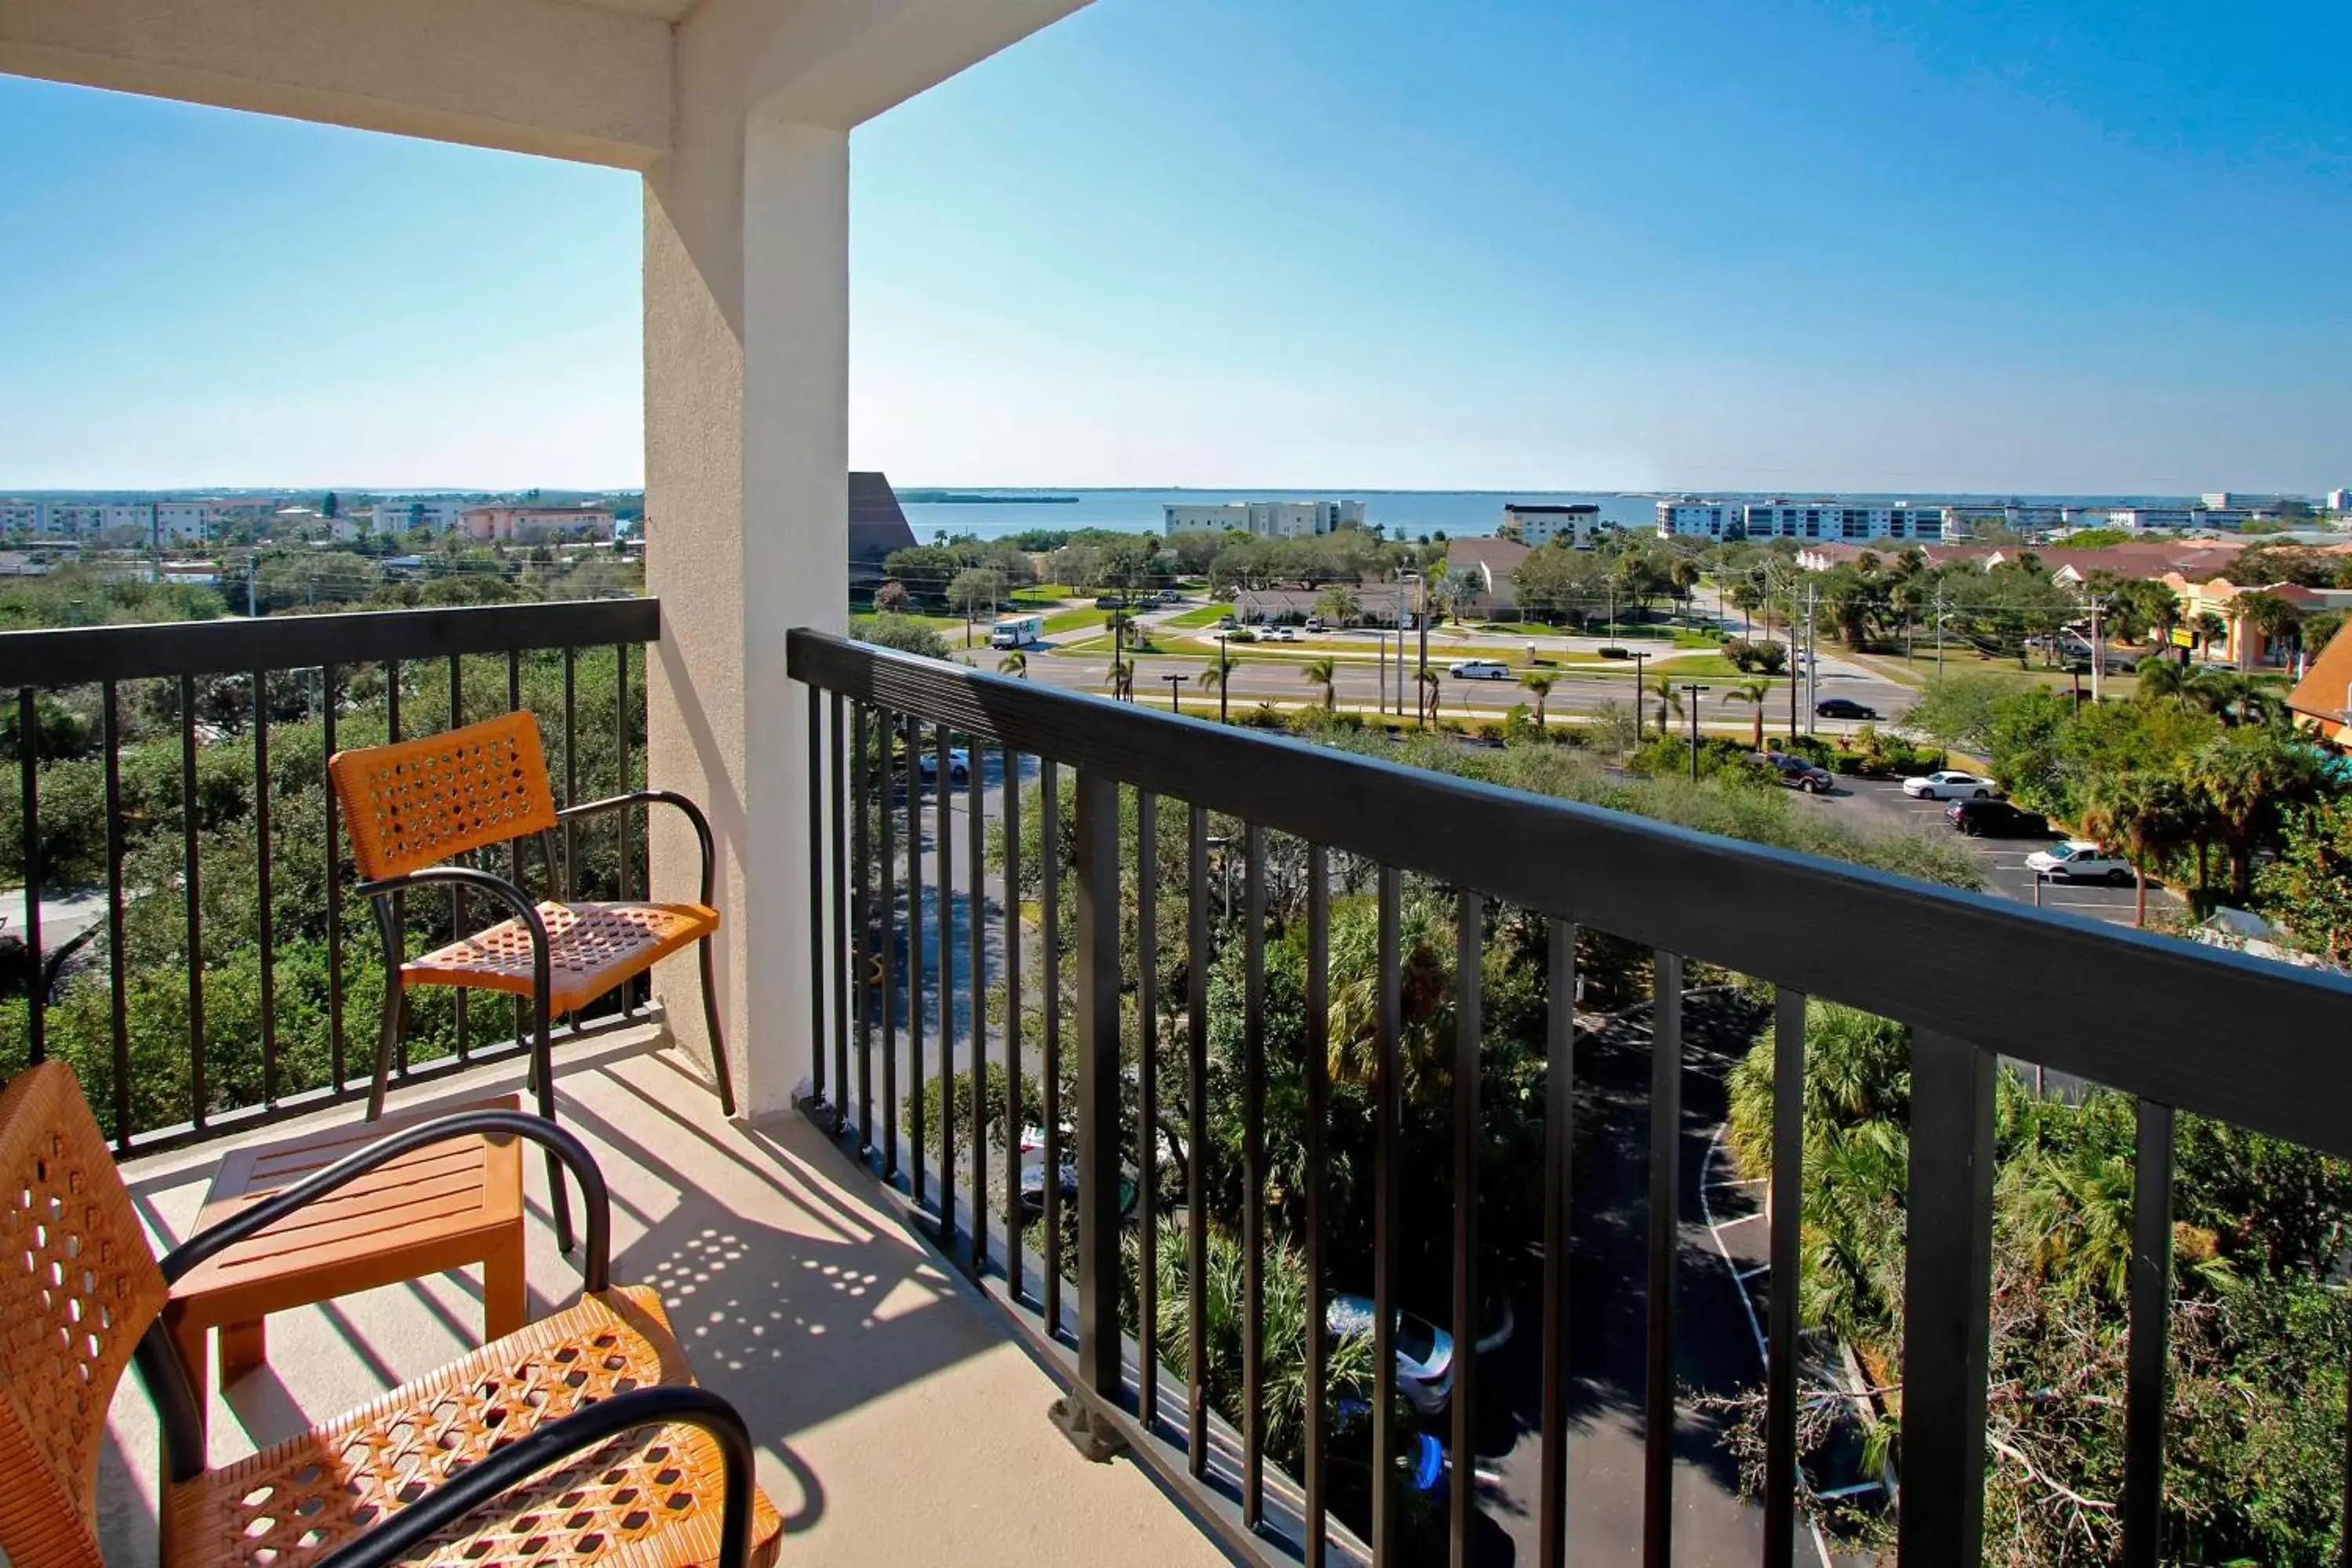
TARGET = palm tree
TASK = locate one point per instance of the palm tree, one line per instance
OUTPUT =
(1432, 686)
(2276, 618)
(1756, 693)
(1322, 672)
(1661, 687)
(1219, 676)
(1015, 663)
(2160, 677)
(1339, 605)
(1123, 680)
(2237, 697)
(2242, 778)
(1538, 681)
(1682, 577)
(2142, 814)
(2211, 629)
(1463, 584)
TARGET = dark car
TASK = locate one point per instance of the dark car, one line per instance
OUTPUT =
(1797, 774)
(1996, 819)
(1112, 602)
(1843, 708)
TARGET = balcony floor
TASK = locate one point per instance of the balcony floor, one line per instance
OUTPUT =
(895, 1414)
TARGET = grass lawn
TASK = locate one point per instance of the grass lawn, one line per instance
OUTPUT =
(1204, 615)
(1074, 620)
(1919, 669)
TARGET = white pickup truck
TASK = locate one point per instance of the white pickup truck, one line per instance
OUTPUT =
(2079, 860)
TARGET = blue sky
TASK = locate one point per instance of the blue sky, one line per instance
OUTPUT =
(2079, 247)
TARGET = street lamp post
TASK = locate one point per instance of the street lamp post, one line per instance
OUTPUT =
(1224, 676)
(1173, 682)
(1641, 692)
(1693, 689)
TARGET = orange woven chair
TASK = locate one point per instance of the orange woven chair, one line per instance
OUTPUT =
(412, 806)
(581, 1439)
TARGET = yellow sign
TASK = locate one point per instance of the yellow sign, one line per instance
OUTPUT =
(2183, 637)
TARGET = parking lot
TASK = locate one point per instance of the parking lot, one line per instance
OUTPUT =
(1881, 804)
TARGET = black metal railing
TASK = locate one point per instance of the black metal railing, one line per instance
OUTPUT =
(178, 769)
(1974, 979)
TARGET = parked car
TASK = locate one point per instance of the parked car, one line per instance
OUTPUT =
(1033, 1190)
(1478, 669)
(1228, 623)
(1280, 634)
(1996, 819)
(1424, 1352)
(926, 764)
(2079, 860)
(1315, 622)
(1843, 708)
(1949, 785)
(1110, 602)
(1797, 774)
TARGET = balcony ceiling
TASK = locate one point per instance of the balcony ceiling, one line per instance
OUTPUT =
(661, 10)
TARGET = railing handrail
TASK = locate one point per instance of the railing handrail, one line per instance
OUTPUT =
(2198, 1028)
(239, 646)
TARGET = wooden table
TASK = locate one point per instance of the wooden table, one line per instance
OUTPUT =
(444, 1206)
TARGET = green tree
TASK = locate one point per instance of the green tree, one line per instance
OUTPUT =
(1015, 663)
(1661, 687)
(2246, 778)
(2309, 888)
(1539, 682)
(892, 599)
(1755, 693)
(1338, 605)
(2145, 816)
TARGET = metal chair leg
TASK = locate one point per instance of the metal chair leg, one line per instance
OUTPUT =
(396, 1009)
(559, 1196)
(718, 1042)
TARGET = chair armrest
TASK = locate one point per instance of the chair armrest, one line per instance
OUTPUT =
(490, 882)
(596, 1272)
(525, 1458)
(655, 797)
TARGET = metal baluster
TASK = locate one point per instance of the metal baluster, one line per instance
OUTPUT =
(570, 882)
(621, 818)
(2151, 1307)
(514, 846)
(817, 951)
(1317, 1086)
(886, 736)
(1385, 1522)
(192, 880)
(327, 674)
(457, 894)
(1787, 1203)
(1015, 1265)
(1560, 1127)
(1196, 1139)
(1947, 1286)
(117, 962)
(1665, 1218)
(861, 841)
(844, 901)
(1049, 866)
(399, 900)
(1469, 943)
(1100, 1370)
(975, 927)
(915, 1074)
(1147, 1118)
(28, 756)
(1254, 1179)
(266, 915)
(943, 845)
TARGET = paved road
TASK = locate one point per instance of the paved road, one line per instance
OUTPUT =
(1581, 690)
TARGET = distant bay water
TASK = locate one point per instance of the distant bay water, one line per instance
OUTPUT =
(1459, 513)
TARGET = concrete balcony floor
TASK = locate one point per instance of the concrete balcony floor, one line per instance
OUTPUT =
(896, 1417)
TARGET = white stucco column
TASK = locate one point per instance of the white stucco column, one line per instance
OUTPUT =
(746, 370)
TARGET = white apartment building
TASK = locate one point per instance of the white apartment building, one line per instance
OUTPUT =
(1701, 520)
(526, 523)
(24, 516)
(1853, 521)
(74, 520)
(2141, 519)
(398, 514)
(1540, 525)
(178, 520)
(1265, 519)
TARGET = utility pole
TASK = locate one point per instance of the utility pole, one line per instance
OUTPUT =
(252, 559)
(1796, 663)
(1224, 675)
(1119, 655)
(1380, 642)
(1173, 682)
(1693, 689)
(1422, 615)
(1812, 659)
(2098, 649)
(1939, 631)
(1640, 690)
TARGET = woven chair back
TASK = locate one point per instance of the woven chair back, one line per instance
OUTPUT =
(78, 1289)
(419, 803)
